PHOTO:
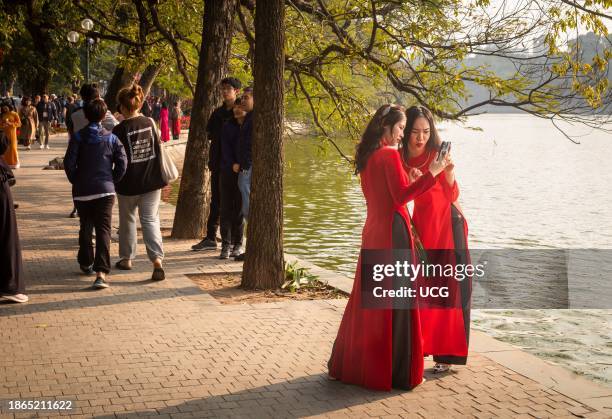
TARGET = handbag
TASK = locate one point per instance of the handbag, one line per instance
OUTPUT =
(169, 172)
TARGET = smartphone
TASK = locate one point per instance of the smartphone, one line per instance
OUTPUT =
(445, 147)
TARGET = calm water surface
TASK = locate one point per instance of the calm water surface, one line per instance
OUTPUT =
(523, 186)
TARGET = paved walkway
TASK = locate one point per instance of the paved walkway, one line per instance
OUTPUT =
(167, 349)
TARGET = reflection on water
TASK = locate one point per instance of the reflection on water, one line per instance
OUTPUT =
(324, 207)
(523, 185)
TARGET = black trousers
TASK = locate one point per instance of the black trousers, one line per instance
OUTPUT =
(95, 214)
(462, 257)
(402, 319)
(11, 280)
(232, 221)
(215, 200)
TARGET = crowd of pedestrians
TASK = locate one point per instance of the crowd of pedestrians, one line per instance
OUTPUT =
(118, 157)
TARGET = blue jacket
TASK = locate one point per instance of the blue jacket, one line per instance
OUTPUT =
(94, 161)
(229, 145)
(244, 146)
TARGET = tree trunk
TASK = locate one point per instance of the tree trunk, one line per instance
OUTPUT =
(193, 202)
(42, 46)
(264, 263)
(148, 77)
(122, 77)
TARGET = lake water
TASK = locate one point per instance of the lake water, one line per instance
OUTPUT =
(523, 186)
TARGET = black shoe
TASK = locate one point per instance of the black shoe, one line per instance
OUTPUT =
(87, 270)
(15, 206)
(240, 257)
(205, 244)
(73, 214)
(158, 274)
(225, 253)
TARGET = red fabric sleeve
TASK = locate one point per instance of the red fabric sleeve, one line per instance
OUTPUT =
(451, 192)
(401, 190)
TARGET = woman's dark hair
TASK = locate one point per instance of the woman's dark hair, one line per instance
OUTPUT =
(412, 114)
(25, 101)
(385, 116)
(95, 110)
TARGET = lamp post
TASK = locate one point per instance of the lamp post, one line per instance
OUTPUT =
(87, 24)
(73, 37)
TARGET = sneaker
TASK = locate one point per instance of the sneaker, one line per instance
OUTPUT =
(100, 283)
(42, 147)
(47, 147)
(205, 244)
(236, 251)
(87, 270)
(240, 257)
(225, 253)
(28, 148)
(158, 274)
(16, 298)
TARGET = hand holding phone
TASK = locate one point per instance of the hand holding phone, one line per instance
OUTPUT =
(445, 147)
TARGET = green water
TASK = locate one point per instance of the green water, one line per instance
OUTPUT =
(523, 185)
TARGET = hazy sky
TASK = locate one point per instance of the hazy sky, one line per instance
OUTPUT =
(512, 5)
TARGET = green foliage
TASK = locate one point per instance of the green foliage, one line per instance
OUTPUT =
(297, 278)
(350, 56)
(346, 57)
(35, 49)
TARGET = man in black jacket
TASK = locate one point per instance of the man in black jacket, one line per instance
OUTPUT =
(46, 114)
(230, 87)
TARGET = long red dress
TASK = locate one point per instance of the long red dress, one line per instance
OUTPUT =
(163, 125)
(362, 351)
(441, 225)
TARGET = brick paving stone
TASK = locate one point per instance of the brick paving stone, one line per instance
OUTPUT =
(169, 350)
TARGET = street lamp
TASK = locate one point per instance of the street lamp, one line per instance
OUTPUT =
(87, 24)
(73, 37)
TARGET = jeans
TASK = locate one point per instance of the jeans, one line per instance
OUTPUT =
(148, 212)
(232, 222)
(95, 214)
(43, 132)
(213, 216)
(244, 184)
